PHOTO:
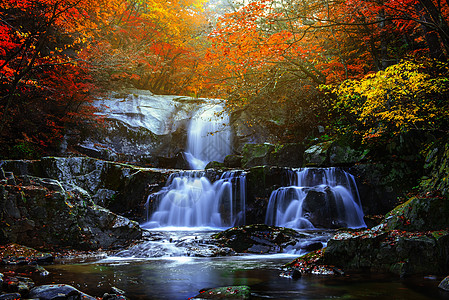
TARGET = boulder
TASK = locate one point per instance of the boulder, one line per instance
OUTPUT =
(317, 155)
(444, 284)
(286, 155)
(333, 153)
(258, 238)
(17, 284)
(119, 187)
(58, 292)
(239, 292)
(38, 214)
(233, 161)
(139, 127)
(320, 208)
(10, 296)
(256, 155)
(430, 212)
(400, 252)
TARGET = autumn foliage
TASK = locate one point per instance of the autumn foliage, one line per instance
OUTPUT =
(56, 55)
(269, 59)
(274, 55)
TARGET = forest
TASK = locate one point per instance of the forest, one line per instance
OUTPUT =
(365, 71)
(165, 149)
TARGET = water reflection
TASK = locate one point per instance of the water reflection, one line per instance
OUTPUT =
(181, 278)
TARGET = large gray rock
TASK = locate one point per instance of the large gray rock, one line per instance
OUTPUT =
(419, 214)
(259, 238)
(119, 187)
(403, 253)
(139, 127)
(444, 284)
(58, 292)
(39, 213)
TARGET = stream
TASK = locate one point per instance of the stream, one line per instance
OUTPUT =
(158, 269)
(178, 257)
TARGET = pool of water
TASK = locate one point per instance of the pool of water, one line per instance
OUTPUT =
(160, 268)
(183, 277)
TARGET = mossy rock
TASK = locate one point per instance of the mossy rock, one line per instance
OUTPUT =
(419, 214)
(281, 155)
(215, 165)
(256, 154)
(228, 292)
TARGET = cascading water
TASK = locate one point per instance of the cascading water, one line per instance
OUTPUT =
(316, 198)
(208, 137)
(190, 199)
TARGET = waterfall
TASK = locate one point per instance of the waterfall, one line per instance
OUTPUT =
(316, 198)
(190, 199)
(208, 136)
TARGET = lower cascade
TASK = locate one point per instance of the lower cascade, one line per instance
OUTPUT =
(191, 199)
(325, 198)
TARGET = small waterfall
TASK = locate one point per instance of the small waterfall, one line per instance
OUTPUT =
(325, 198)
(190, 199)
(208, 136)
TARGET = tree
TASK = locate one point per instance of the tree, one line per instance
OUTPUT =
(270, 52)
(42, 40)
(410, 96)
(156, 45)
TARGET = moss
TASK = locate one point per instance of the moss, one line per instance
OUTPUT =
(419, 213)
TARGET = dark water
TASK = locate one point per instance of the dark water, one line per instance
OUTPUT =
(181, 278)
(175, 276)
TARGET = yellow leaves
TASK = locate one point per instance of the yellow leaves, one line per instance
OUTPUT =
(404, 96)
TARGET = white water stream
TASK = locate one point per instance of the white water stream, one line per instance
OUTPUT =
(208, 137)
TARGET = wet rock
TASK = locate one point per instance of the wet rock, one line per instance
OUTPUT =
(115, 294)
(107, 296)
(228, 292)
(258, 238)
(444, 284)
(117, 291)
(400, 252)
(50, 216)
(292, 274)
(21, 285)
(139, 127)
(32, 269)
(10, 296)
(119, 187)
(14, 254)
(58, 292)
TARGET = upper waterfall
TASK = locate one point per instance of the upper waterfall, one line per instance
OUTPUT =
(208, 136)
